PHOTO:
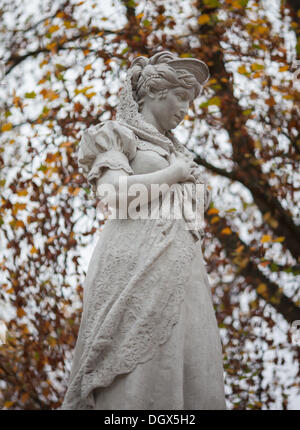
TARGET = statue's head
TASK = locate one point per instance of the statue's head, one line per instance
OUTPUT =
(166, 85)
(158, 91)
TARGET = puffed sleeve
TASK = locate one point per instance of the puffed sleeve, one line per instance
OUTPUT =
(106, 145)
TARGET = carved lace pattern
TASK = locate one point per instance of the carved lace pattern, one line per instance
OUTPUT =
(126, 315)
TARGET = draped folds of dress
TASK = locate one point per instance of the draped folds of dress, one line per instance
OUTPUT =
(148, 337)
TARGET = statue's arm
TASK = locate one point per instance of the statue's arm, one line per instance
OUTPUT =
(169, 175)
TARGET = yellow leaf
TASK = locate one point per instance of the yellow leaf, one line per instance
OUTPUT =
(266, 238)
(262, 29)
(83, 90)
(22, 193)
(53, 29)
(226, 230)
(262, 289)
(90, 95)
(18, 207)
(242, 70)
(240, 249)
(33, 250)
(8, 404)
(203, 19)
(215, 219)
(288, 97)
(17, 224)
(255, 67)
(51, 46)
(237, 4)
(212, 211)
(69, 24)
(256, 75)
(279, 239)
(283, 68)
(6, 127)
(88, 67)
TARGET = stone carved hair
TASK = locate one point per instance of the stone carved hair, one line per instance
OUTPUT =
(155, 74)
(145, 72)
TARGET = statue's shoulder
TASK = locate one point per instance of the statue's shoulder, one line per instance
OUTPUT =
(113, 127)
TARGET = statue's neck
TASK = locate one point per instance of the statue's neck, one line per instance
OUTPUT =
(150, 119)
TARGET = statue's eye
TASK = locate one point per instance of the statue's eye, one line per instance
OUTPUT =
(181, 96)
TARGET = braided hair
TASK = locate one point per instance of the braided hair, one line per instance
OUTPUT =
(155, 74)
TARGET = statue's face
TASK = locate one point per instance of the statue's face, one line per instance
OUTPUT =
(170, 110)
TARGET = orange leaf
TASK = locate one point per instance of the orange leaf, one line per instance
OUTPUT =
(226, 230)
(6, 127)
(279, 239)
(24, 397)
(65, 144)
(49, 94)
(22, 193)
(51, 46)
(20, 312)
(90, 95)
(215, 219)
(76, 191)
(203, 19)
(8, 404)
(212, 211)
(270, 101)
(266, 238)
(283, 68)
(264, 263)
(33, 250)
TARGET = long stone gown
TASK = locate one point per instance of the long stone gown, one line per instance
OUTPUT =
(148, 337)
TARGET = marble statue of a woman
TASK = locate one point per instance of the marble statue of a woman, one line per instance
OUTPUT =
(148, 337)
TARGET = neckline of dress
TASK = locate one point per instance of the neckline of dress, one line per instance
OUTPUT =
(151, 134)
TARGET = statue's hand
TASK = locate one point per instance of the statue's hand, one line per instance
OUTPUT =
(182, 168)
